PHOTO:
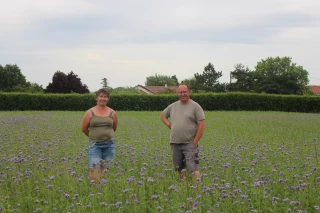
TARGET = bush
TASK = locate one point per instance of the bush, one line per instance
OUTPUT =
(138, 102)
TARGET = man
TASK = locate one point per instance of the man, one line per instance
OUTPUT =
(186, 120)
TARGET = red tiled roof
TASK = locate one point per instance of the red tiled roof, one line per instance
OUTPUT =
(316, 89)
(158, 89)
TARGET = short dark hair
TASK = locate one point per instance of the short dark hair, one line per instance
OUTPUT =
(102, 91)
(185, 85)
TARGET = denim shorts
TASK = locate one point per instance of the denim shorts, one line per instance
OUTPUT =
(185, 156)
(101, 154)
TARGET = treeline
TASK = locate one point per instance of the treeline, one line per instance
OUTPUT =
(12, 80)
(272, 76)
(277, 75)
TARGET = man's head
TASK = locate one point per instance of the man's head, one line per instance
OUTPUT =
(184, 93)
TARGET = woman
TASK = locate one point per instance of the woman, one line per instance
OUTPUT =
(100, 123)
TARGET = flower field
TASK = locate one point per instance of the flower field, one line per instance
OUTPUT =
(250, 162)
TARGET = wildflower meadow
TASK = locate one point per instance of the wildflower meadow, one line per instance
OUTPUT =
(249, 162)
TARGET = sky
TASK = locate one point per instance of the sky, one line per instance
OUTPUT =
(127, 41)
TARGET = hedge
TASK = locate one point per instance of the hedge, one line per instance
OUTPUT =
(208, 101)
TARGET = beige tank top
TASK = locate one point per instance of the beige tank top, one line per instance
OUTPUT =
(101, 128)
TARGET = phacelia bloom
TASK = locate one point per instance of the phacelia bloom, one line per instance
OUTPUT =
(159, 208)
(118, 204)
(154, 197)
(130, 179)
(174, 188)
(104, 181)
(150, 179)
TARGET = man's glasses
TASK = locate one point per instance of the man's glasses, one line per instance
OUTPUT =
(183, 92)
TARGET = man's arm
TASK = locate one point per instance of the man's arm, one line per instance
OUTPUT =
(165, 120)
(200, 130)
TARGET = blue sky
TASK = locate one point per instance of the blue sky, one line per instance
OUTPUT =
(127, 41)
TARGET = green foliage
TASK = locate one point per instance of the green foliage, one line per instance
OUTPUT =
(11, 77)
(28, 88)
(209, 78)
(308, 91)
(123, 91)
(161, 80)
(244, 79)
(136, 102)
(105, 83)
(280, 76)
(249, 161)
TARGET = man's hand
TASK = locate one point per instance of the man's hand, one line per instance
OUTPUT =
(165, 120)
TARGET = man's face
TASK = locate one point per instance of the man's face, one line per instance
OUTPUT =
(183, 93)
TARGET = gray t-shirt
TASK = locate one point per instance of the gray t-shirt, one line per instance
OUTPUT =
(183, 118)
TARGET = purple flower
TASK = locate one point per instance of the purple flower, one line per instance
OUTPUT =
(130, 179)
(150, 179)
(118, 204)
(173, 188)
(159, 208)
(154, 197)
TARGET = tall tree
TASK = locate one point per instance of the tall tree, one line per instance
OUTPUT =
(75, 84)
(280, 76)
(244, 79)
(174, 77)
(10, 77)
(59, 83)
(194, 84)
(62, 83)
(160, 80)
(209, 77)
(104, 83)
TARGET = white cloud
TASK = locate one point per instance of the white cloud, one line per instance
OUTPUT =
(127, 41)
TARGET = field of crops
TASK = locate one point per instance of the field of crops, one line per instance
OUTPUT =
(250, 162)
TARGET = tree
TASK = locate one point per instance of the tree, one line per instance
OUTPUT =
(209, 77)
(244, 79)
(29, 88)
(161, 80)
(194, 85)
(104, 83)
(75, 84)
(62, 83)
(174, 77)
(10, 77)
(280, 76)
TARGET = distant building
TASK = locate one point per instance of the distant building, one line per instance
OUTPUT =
(315, 89)
(155, 89)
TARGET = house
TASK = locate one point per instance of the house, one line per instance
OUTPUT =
(155, 89)
(315, 89)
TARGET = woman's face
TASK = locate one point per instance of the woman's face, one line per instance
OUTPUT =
(102, 99)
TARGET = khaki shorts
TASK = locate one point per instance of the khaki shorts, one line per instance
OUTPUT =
(185, 156)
